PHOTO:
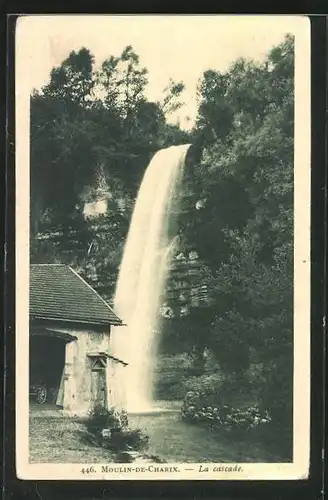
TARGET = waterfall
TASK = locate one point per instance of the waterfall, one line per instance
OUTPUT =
(143, 274)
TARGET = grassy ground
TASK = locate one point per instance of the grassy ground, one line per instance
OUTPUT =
(55, 439)
(177, 441)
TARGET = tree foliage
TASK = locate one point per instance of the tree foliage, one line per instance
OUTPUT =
(243, 227)
(93, 133)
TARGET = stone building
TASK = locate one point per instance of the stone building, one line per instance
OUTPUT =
(71, 364)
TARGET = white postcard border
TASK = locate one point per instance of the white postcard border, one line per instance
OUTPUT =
(255, 471)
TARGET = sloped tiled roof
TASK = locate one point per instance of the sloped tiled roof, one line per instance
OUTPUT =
(58, 292)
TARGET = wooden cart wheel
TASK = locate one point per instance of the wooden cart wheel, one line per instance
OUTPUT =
(54, 395)
(41, 395)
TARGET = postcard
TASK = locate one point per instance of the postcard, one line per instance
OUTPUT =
(162, 247)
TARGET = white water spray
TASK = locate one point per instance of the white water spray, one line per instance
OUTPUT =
(143, 275)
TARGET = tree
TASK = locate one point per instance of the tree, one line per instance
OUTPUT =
(73, 81)
(88, 125)
(122, 82)
(239, 218)
(171, 99)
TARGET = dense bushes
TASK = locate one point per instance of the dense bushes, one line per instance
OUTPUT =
(224, 416)
(207, 384)
(231, 401)
(111, 430)
(174, 376)
(126, 439)
(275, 392)
(100, 418)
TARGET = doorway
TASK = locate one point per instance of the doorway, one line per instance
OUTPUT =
(47, 361)
(98, 381)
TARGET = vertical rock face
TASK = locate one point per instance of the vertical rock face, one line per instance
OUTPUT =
(95, 208)
(95, 200)
(185, 287)
(95, 197)
(194, 156)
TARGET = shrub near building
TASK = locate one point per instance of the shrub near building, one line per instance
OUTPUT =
(111, 430)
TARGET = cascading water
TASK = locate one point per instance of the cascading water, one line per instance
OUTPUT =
(143, 274)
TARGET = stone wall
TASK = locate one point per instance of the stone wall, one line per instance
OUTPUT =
(76, 380)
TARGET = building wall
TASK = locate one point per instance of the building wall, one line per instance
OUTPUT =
(76, 381)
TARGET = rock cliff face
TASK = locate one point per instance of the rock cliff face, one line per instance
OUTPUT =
(95, 246)
(186, 288)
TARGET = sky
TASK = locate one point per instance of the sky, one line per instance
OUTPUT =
(170, 46)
